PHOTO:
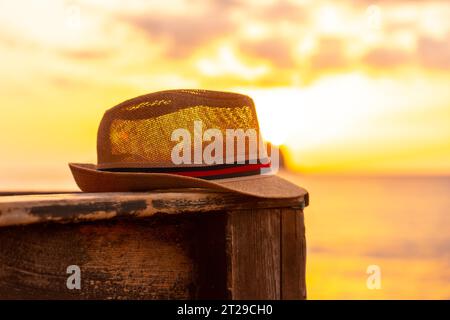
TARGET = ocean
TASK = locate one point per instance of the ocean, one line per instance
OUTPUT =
(400, 225)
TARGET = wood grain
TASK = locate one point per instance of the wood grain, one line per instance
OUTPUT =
(254, 254)
(293, 255)
(76, 207)
(167, 257)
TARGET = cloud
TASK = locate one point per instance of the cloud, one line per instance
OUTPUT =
(276, 50)
(330, 54)
(387, 58)
(282, 10)
(177, 35)
(87, 54)
(391, 2)
(185, 32)
(429, 54)
(434, 53)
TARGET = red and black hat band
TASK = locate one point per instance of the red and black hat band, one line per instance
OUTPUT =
(213, 172)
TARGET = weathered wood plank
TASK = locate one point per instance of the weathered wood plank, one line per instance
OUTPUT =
(247, 248)
(293, 255)
(20, 210)
(254, 254)
(162, 257)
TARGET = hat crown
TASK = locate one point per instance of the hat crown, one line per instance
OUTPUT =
(139, 132)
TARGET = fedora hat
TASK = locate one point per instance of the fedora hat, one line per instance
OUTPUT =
(183, 139)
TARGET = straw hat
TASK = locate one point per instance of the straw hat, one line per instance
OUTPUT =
(172, 139)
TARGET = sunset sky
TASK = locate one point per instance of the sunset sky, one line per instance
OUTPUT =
(356, 87)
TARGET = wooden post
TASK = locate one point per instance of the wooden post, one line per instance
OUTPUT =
(157, 245)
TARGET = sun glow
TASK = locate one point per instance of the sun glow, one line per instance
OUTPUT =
(226, 62)
(341, 86)
(353, 113)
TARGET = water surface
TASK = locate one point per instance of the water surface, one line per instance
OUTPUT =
(401, 224)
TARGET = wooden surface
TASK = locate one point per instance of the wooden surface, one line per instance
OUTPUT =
(169, 245)
(75, 207)
(254, 240)
(267, 252)
(293, 255)
(152, 258)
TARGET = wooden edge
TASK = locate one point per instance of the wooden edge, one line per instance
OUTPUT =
(253, 254)
(293, 255)
(76, 207)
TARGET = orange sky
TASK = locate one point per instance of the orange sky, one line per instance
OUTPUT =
(347, 87)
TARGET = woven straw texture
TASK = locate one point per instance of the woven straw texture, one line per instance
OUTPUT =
(137, 132)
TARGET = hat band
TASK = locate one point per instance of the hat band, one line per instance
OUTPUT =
(208, 173)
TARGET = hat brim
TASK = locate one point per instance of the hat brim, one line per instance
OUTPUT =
(90, 179)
